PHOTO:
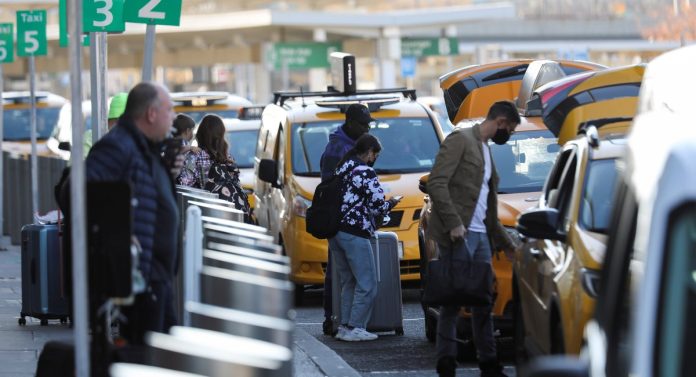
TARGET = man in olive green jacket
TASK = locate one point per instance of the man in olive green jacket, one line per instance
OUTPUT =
(463, 190)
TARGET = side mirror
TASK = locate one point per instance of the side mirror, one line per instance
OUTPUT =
(556, 366)
(553, 148)
(523, 158)
(540, 223)
(423, 183)
(268, 172)
(64, 146)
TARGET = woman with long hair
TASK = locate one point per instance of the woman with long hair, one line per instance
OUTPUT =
(363, 202)
(211, 167)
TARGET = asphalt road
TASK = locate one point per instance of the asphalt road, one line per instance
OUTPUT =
(408, 355)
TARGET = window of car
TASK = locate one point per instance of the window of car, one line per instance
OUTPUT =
(16, 122)
(243, 146)
(598, 195)
(198, 115)
(676, 334)
(554, 178)
(409, 145)
(524, 162)
(564, 191)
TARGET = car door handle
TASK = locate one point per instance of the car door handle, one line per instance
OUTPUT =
(536, 253)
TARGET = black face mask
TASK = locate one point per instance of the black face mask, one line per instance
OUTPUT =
(371, 163)
(501, 136)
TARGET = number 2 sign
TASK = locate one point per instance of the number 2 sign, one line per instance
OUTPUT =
(153, 12)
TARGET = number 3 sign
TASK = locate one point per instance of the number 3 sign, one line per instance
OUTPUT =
(103, 15)
(153, 12)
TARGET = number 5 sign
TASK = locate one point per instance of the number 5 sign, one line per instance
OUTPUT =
(6, 43)
(31, 32)
(153, 12)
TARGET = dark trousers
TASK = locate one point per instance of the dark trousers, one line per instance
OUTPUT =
(328, 302)
(153, 310)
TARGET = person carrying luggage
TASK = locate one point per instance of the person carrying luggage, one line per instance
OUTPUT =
(463, 190)
(358, 120)
(363, 201)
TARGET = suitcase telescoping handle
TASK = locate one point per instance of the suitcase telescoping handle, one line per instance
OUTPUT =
(379, 272)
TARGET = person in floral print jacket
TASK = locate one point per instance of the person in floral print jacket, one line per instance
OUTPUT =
(363, 201)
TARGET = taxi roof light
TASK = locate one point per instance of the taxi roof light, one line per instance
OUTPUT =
(373, 104)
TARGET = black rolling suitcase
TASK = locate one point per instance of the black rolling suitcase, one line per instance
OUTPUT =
(43, 285)
(387, 310)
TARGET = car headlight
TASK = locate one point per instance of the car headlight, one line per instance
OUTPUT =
(300, 205)
(590, 281)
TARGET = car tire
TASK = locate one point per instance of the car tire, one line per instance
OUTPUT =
(299, 294)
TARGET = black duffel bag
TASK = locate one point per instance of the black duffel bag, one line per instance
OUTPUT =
(458, 280)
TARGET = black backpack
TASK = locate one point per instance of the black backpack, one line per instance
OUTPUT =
(324, 215)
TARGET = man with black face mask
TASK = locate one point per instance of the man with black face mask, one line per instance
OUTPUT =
(466, 221)
(358, 120)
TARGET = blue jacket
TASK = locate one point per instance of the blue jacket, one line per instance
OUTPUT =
(339, 144)
(124, 154)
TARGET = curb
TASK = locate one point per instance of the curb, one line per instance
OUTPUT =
(324, 357)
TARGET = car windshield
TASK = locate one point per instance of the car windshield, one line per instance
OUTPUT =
(243, 147)
(598, 195)
(409, 145)
(16, 123)
(198, 115)
(525, 161)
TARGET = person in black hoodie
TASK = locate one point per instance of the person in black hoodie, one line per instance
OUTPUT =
(358, 121)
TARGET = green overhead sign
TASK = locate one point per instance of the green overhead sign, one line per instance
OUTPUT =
(153, 12)
(302, 55)
(6, 43)
(429, 47)
(31, 32)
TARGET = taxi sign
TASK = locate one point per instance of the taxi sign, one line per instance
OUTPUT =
(31, 32)
(153, 12)
(6, 43)
(103, 16)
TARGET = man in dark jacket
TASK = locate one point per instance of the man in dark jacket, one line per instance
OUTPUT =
(358, 120)
(131, 152)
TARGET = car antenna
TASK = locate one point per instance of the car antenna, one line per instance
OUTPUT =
(302, 96)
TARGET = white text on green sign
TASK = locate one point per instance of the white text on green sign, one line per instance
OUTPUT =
(31, 32)
(302, 55)
(6, 43)
(103, 16)
(429, 47)
(153, 12)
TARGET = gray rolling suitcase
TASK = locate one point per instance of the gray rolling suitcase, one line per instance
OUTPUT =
(387, 311)
(43, 285)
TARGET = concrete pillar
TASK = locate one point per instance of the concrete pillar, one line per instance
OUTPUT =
(317, 76)
(389, 56)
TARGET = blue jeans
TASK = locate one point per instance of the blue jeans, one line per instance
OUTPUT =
(356, 270)
(478, 246)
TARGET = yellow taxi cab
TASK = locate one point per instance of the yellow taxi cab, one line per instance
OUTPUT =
(294, 132)
(16, 121)
(198, 104)
(242, 134)
(555, 272)
(522, 165)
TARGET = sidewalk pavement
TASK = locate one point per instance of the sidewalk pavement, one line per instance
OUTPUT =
(20, 346)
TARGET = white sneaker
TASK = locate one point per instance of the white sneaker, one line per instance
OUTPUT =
(342, 331)
(358, 335)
